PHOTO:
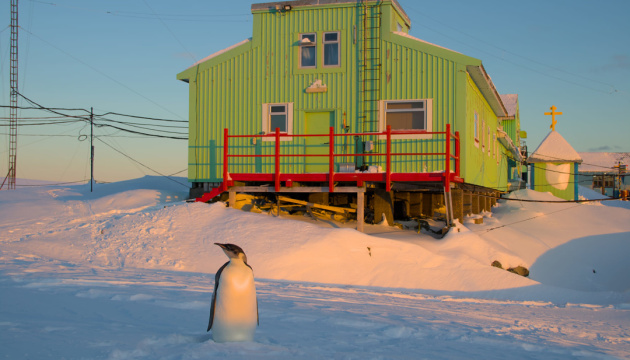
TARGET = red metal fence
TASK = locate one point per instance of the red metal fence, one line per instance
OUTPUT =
(331, 176)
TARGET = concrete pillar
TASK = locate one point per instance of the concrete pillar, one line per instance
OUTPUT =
(427, 205)
(415, 204)
(383, 204)
(319, 198)
(476, 209)
(458, 204)
(436, 203)
(468, 203)
(360, 210)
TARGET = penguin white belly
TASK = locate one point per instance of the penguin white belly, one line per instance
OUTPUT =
(236, 312)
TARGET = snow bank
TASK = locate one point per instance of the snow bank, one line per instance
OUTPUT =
(144, 224)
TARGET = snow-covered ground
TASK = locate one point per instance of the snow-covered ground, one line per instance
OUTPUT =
(126, 272)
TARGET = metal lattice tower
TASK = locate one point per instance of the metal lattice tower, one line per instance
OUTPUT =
(13, 83)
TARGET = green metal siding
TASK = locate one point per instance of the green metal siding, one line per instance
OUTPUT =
(228, 91)
(480, 167)
(559, 180)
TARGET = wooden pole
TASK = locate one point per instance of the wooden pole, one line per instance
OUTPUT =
(360, 210)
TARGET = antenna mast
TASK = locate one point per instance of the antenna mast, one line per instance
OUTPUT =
(13, 83)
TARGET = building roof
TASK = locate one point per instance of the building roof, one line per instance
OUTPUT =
(554, 148)
(603, 162)
(510, 101)
(271, 6)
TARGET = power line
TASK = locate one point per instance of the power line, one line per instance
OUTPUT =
(102, 73)
(613, 89)
(142, 117)
(141, 164)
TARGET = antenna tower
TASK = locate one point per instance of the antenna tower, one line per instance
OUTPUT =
(13, 83)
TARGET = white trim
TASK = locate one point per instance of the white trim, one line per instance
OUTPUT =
(266, 124)
(428, 110)
(338, 42)
(312, 44)
(213, 55)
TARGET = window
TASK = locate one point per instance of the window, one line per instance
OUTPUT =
(331, 49)
(489, 139)
(407, 115)
(308, 50)
(277, 116)
(606, 180)
(483, 136)
(476, 132)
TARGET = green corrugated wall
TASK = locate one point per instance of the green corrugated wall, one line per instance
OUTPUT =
(229, 90)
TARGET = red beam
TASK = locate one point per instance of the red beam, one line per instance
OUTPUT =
(331, 160)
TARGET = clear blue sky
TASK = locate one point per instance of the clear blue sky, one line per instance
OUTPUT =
(123, 55)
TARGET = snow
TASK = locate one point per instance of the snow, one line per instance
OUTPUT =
(554, 148)
(510, 101)
(126, 272)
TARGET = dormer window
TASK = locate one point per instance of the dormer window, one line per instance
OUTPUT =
(331, 48)
(308, 50)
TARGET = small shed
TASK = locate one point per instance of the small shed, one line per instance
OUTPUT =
(554, 167)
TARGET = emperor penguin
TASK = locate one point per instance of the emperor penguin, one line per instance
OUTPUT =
(234, 308)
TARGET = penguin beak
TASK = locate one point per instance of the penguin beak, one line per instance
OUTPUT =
(222, 246)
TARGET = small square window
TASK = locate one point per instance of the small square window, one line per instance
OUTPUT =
(331, 49)
(308, 50)
(277, 116)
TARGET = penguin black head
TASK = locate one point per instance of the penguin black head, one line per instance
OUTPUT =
(233, 251)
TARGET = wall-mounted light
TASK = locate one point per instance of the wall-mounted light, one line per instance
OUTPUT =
(287, 7)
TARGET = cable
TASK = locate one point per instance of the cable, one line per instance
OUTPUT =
(139, 125)
(142, 117)
(63, 183)
(141, 133)
(102, 73)
(138, 162)
(613, 89)
(170, 31)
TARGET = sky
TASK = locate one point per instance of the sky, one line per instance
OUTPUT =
(122, 56)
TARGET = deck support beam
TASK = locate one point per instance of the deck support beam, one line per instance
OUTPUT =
(360, 210)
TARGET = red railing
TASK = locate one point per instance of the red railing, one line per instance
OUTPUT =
(447, 177)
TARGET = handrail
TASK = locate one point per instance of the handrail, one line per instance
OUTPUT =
(331, 153)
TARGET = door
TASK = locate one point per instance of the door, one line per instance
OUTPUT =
(317, 123)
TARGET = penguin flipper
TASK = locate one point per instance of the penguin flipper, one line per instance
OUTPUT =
(217, 278)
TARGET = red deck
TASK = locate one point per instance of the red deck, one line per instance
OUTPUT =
(447, 176)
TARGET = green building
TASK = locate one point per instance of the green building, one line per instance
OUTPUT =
(554, 167)
(347, 71)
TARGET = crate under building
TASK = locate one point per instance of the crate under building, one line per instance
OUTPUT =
(334, 101)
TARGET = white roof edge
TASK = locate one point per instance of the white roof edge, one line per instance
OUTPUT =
(404, 34)
(220, 52)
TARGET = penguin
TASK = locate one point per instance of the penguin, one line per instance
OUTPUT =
(234, 307)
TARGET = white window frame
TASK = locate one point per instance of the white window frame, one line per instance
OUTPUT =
(324, 42)
(428, 113)
(266, 121)
(310, 44)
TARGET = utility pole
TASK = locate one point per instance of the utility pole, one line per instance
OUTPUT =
(91, 148)
(13, 83)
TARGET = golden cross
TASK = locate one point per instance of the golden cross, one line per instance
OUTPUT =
(553, 114)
